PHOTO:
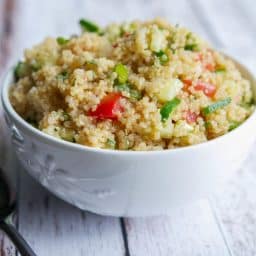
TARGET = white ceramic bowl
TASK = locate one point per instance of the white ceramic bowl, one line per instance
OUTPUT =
(127, 183)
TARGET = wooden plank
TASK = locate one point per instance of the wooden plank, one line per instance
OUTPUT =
(53, 227)
(6, 13)
(191, 230)
(8, 165)
(236, 205)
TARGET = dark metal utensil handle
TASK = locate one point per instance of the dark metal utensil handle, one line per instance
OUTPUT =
(17, 239)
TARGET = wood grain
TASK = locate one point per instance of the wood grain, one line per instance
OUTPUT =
(53, 227)
(188, 231)
(6, 15)
(236, 205)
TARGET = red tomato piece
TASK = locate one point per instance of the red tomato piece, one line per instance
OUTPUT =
(210, 67)
(191, 117)
(208, 89)
(108, 107)
(187, 83)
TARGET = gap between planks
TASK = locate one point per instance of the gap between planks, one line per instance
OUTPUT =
(7, 10)
(7, 18)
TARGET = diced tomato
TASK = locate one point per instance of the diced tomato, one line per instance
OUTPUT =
(209, 67)
(108, 107)
(187, 83)
(200, 57)
(208, 89)
(191, 117)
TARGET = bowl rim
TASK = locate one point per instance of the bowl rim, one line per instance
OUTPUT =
(7, 82)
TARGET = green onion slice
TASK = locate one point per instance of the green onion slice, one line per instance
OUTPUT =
(22, 69)
(220, 70)
(134, 94)
(63, 75)
(111, 144)
(62, 40)
(191, 47)
(215, 106)
(122, 73)
(66, 116)
(163, 57)
(233, 125)
(89, 26)
(122, 88)
(168, 108)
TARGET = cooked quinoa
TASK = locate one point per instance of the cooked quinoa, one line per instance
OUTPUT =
(131, 86)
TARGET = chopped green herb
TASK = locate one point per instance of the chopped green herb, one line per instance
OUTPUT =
(122, 73)
(191, 43)
(247, 105)
(101, 33)
(163, 57)
(191, 47)
(89, 26)
(63, 75)
(111, 144)
(135, 94)
(35, 65)
(122, 88)
(67, 134)
(173, 50)
(215, 106)
(220, 70)
(66, 116)
(168, 108)
(233, 125)
(189, 36)
(207, 124)
(62, 40)
(22, 69)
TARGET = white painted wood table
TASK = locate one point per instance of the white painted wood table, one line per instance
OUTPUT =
(224, 225)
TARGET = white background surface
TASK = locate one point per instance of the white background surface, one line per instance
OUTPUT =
(215, 227)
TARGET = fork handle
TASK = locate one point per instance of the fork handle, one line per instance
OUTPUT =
(17, 239)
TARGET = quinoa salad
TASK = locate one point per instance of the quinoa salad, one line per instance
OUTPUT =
(131, 86)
